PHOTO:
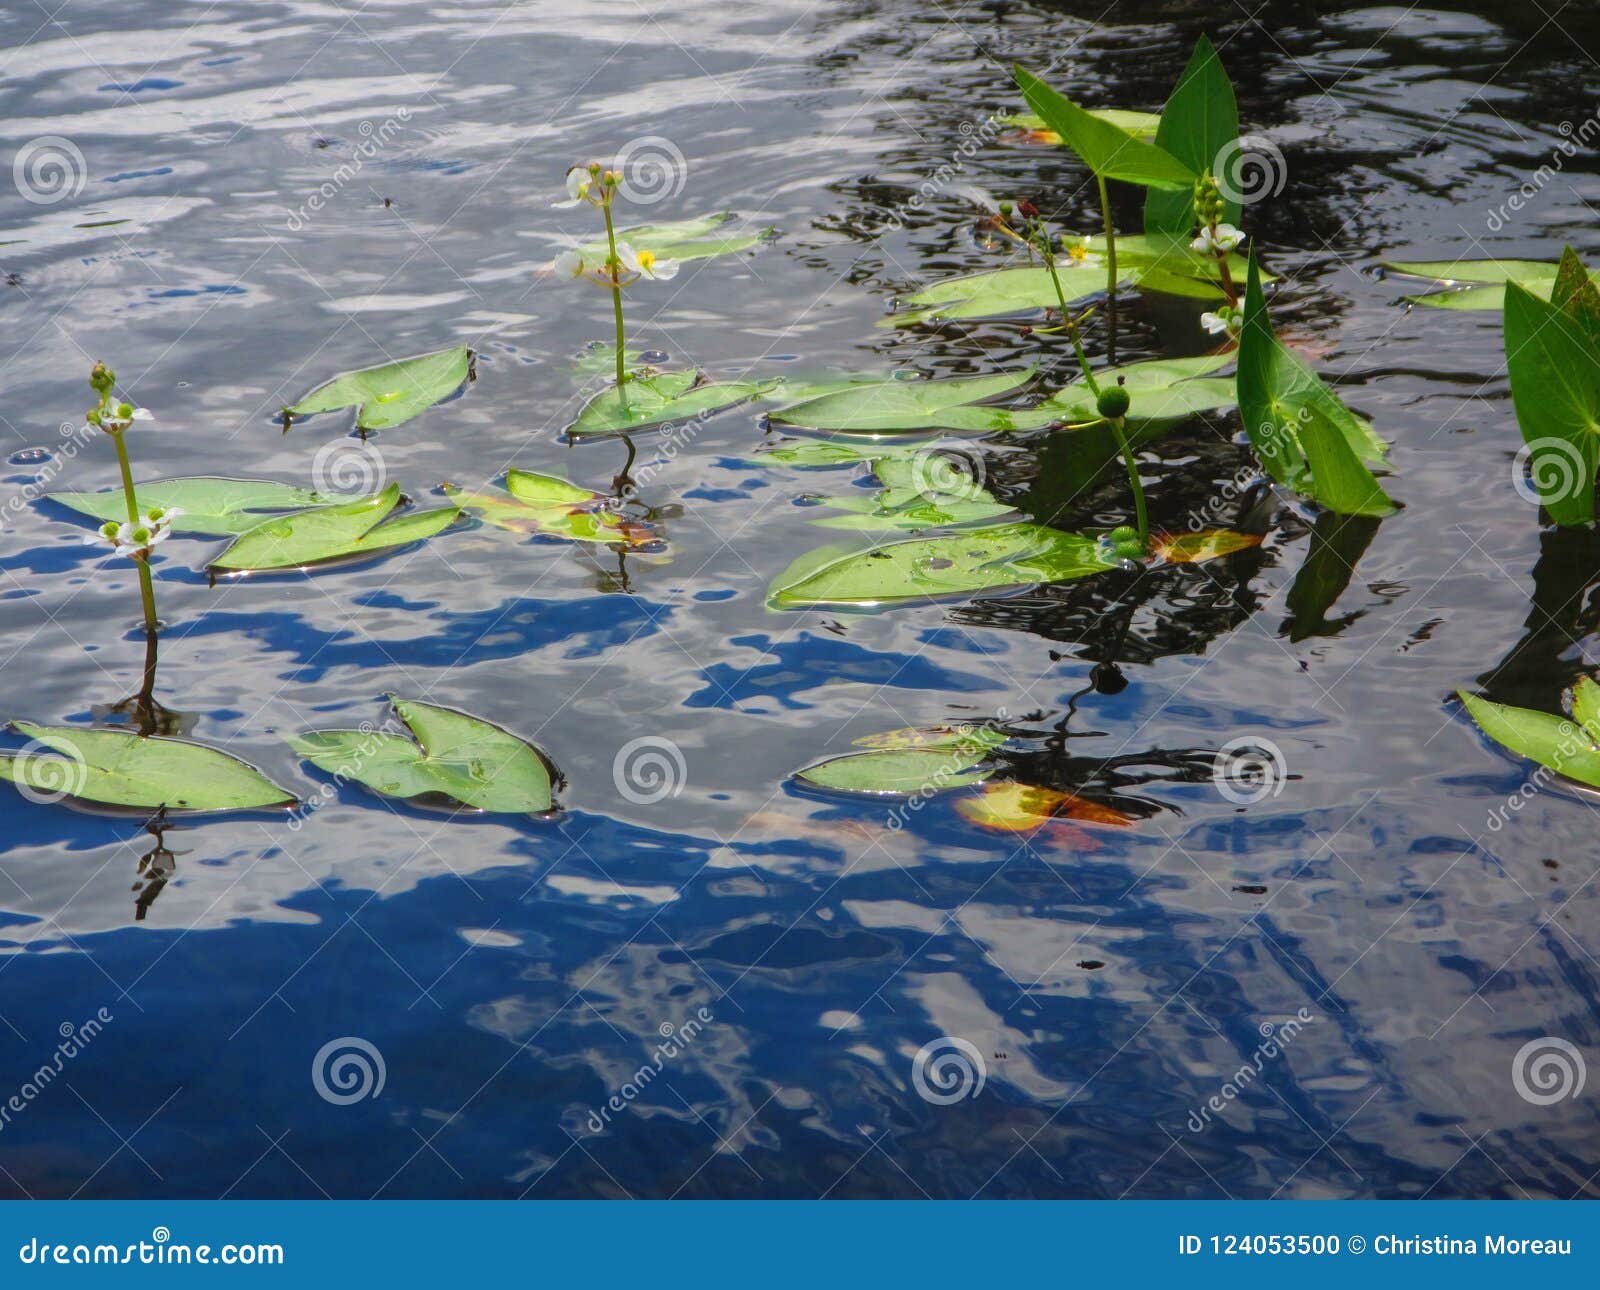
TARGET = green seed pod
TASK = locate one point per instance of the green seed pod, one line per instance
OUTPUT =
(125, 411)
(1122, 533)
(1113, 402)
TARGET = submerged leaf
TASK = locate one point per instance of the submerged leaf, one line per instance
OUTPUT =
(393, 392)
(650, 401)
(1557, 742)
(1022, 808)
(211, 506)
(1196, 548)
(1001, 557)
(117, 768)
(332, 532)
(1303, 434)
(462, 758)
(553, 507)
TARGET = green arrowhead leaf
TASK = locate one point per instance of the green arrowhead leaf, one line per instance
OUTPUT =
(211, 506)
(393, 392)
(1555, 388)
(1141, 124)
(1304, 435)
(1108, 150)
(1575, 294)
(461, 758)
(1200, 120)
(117, 768)
(332, 532)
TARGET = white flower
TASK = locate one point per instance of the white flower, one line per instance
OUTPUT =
(1225, 320)
(569, 264)
(115, 420)
(1217, 241)
(135, 540)
(645, 264)
(578, 183)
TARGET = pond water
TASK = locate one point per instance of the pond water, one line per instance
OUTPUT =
(1381, 911)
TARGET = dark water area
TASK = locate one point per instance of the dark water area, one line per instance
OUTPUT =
(512, 974)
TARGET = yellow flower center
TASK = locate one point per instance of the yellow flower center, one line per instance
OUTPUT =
(646, 260)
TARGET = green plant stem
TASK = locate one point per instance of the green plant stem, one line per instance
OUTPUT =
(1119, 427)
(1069, 325)
(1111, 266)
(147, 592)
(616, 300)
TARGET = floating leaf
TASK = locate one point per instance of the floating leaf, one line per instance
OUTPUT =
(394, 392)
(461, 758)
(332, 532)
(1557, 742)
(1199, 123)
(897, 407)
(1196, 548)
(1107, 149)
(1485, 280)
(1555, 388)
(900, 772)
(989, 559)
(553, 507)
(211, 506)
(650, 401)
(1305, 437)
(1167, 389)
(688, 239)
(1155, 262)
(1022, 808)
(964, 736)
(118, 768)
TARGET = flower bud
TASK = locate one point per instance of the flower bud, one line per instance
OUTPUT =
(1113, 402)
(102, 379)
